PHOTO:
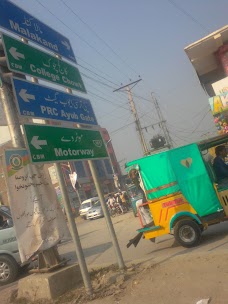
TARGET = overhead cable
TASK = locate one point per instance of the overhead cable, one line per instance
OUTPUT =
(81, 38)
(98, 36)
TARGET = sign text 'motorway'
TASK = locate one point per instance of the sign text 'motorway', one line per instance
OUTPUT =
(18, 21)
(38, 101)
(55, 144)
(25, 59)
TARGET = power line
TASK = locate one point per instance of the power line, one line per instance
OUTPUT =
(104, 93)
(121, 128)
(102, 83)
(124, 126)
(105, 99)
(94, 67)
(96, 74)
(178, 137)
(82, 39)
(106, 85)
(99, 37)
(188, 15)
(96, 80)
(187, 131)
(201, 121)
(91, 47)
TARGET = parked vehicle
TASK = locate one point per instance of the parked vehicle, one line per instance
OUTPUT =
(86, 205)
(95, 211)
(10, 262)
(183, 197)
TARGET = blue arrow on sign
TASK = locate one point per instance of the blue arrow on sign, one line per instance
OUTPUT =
(38, 101)
(18, 21)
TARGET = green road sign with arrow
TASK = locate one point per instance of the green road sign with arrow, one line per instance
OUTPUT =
(25, 59)
(53, 144)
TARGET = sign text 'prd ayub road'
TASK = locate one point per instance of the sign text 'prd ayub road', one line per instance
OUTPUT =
(18, 21)
(24, 59)
(53, 144)
(38, 101)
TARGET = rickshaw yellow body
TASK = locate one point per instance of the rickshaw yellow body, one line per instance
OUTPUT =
(179, 184)
(165, 211)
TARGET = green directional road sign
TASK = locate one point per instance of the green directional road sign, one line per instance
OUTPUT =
(25, 59)
(53, 144)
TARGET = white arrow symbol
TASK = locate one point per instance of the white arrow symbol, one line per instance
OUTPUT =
(16, 55)
(38, 143)
(23, 94)
(66, 44)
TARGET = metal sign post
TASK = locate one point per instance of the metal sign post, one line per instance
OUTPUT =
(74, 231)
(107, 215)
(6, 96)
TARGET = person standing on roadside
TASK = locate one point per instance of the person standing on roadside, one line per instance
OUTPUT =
(119, 202)
(111, 201)
(124, 200)
(144, 211)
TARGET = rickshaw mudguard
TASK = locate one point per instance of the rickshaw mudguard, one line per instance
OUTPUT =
(183, 214)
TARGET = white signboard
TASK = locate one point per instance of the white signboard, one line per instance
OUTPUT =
(38, 219)
(220, 86)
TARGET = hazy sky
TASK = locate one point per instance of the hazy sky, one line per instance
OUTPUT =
(116, 41)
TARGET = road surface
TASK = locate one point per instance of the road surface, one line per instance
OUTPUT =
(98, 248)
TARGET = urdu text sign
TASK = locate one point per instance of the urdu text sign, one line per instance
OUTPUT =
(55, 144)
(38, 101)
(25, 59)
(18, 21)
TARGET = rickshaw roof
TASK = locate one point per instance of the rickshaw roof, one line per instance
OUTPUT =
(203, 145)
(212, 142)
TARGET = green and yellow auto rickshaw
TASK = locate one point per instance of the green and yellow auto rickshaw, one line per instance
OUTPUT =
(182, 194)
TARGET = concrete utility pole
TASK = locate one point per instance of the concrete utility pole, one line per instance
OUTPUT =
(162, 122)
(128, 88)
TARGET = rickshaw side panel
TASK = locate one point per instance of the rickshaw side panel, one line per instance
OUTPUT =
(193, 179)
(156, 171)
(165, 211)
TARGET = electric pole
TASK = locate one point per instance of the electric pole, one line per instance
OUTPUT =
(128, 88)
(162, 122)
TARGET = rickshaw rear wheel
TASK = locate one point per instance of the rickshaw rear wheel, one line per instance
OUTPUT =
(187, 233)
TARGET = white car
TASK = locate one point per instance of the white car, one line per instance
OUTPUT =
(10, 261)
(86, 205)
(95, 211)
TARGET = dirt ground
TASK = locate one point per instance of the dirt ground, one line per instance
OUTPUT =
(181, 279)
